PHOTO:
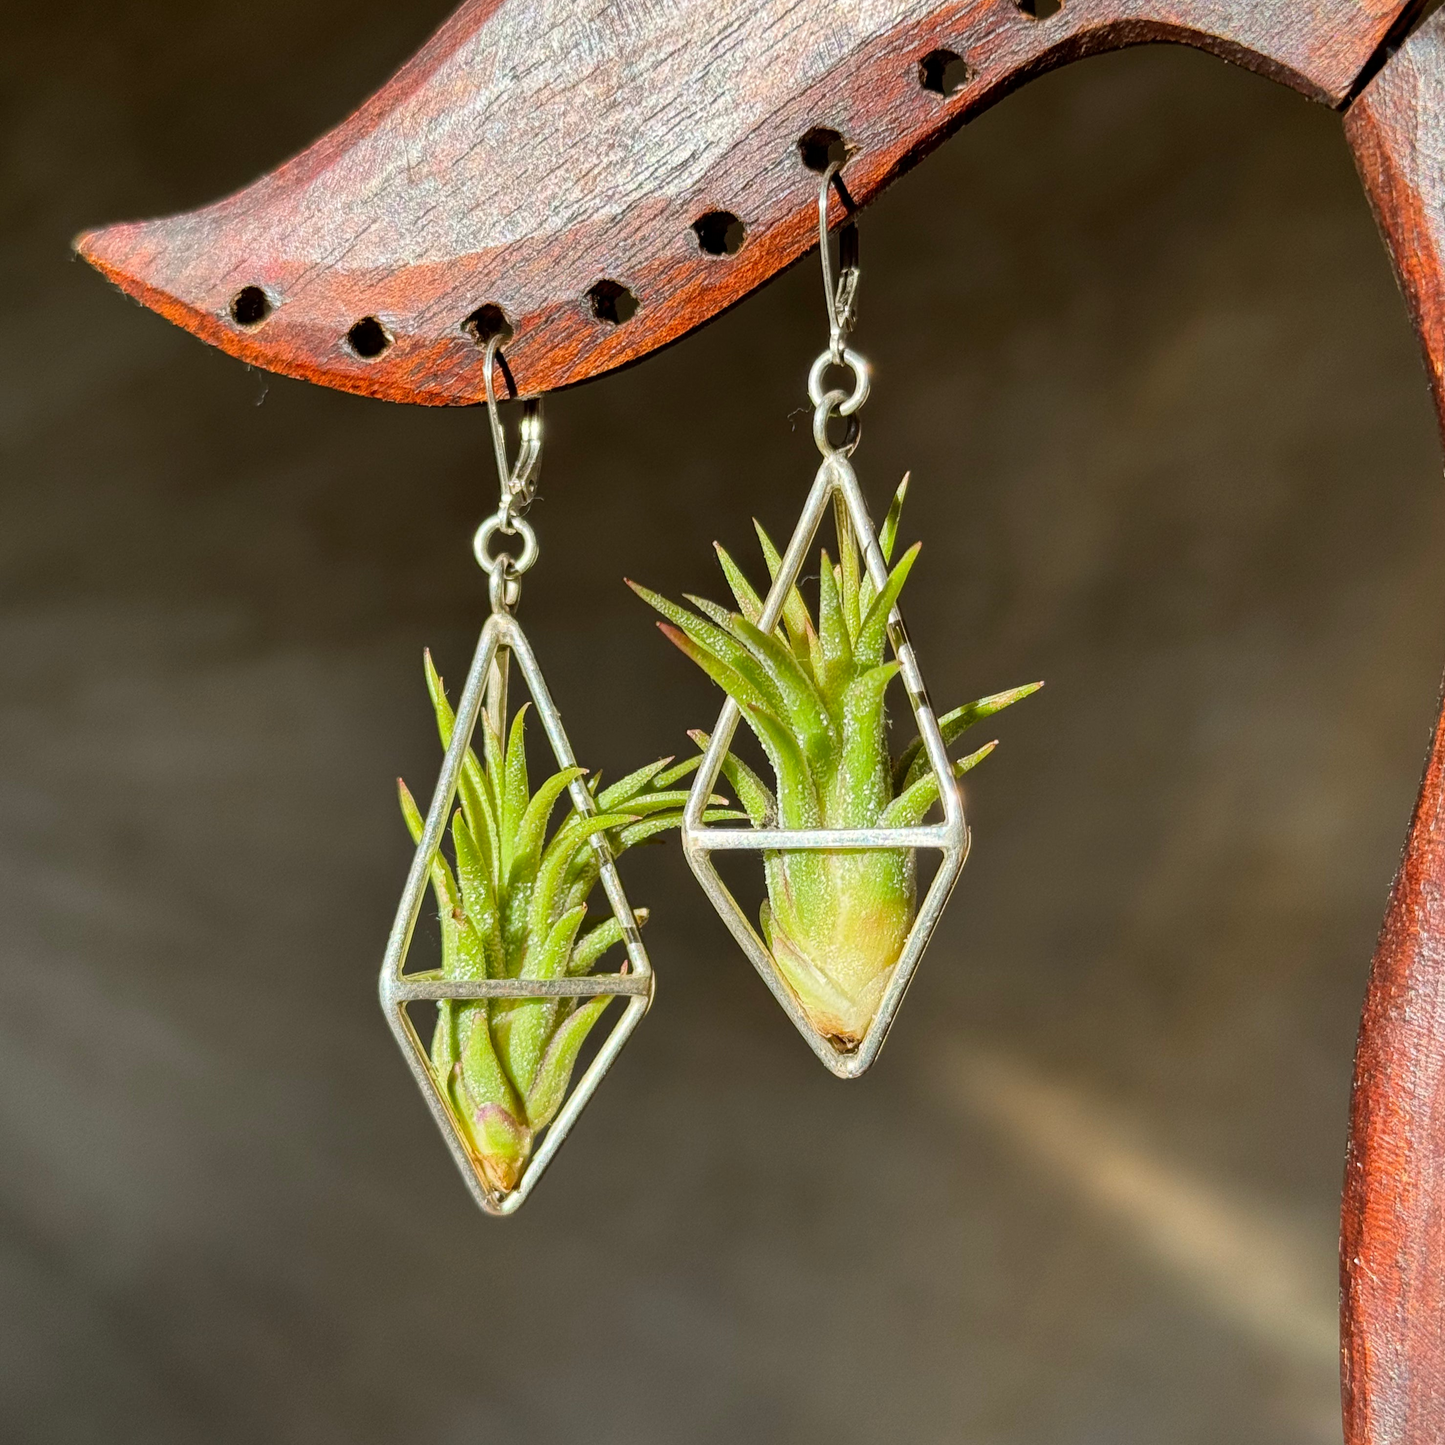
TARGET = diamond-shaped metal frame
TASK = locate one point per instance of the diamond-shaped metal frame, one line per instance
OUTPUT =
(836, 477)
(503, 636)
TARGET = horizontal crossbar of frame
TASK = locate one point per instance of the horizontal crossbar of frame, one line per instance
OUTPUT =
(597, 985)
(711, 840)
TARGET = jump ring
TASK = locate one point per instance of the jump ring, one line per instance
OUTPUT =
(861, 383)
(827, 408)
(504, 587)
(503, 561)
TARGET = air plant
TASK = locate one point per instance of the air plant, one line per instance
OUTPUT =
(835, 922)
(515, 906)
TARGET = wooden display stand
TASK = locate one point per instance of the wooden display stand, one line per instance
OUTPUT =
(601, 181)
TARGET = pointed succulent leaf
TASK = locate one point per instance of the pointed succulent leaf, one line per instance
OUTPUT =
(809, 654)
(887, 539)
(489, 940)
(515, 789)
(715, 612)
(555, 1070)
(674, 798)
(470, 780)
(861, 788)
(483, 1079)
(848, 569)
(473, 791)
(796, 619)
(575, 834)
(472, 957)
(912, 762)
(722, 641)
(581, 878)
(596, 941)
(706, 632)
(444, 1053)
(833, 637)
(806, 712)
(721, 815)
(749, 603)
(619, 792)
(798, 805)
(476, 802)
(526, 1025)
(476, 887)
(873, 633)
(479, 918)
(888, 536)
(548, 957)
(436, 691)
(443, 884)
(451, 962)
(463, 954)
(520, 1030)
(908, 808)
(753, 793)
(415, 823)
(734, 683)
(527, 849)
(495, 770)
(681, 770)
(645, 828)
(812, 658)
(968, 764)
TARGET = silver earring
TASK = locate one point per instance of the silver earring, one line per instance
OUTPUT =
(841, 932)
(514, 994)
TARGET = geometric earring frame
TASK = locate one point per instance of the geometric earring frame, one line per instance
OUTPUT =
(836, 479)
(503, 635)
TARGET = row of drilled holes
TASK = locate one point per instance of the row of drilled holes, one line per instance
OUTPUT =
(719, 233)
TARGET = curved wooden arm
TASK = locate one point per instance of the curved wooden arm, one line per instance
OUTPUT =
(1392, 1243)
(535, 148)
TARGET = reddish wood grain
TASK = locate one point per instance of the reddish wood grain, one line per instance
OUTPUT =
(533, 147)
(1392, 1243)
(1392, 1239)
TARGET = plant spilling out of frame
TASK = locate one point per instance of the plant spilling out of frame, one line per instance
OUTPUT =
(814, 695)
(513, 903)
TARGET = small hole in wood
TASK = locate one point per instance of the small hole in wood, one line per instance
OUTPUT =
(612, 302)
(821, 147)
(720, 233)
(250, 306)
(486, 322)
(368, 338)
(943, 72)
(1040, 9)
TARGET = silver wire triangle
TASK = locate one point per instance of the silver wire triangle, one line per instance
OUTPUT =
(397, 988)
(950, 837)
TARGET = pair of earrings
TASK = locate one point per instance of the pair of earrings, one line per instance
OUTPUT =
(842, 930)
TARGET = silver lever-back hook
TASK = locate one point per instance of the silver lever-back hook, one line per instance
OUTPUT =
(841, 296)
(518, 482)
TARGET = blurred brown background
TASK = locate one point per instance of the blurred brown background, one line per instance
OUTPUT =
(1138, 341)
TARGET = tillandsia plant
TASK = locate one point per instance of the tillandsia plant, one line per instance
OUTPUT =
(514, 906)
(814, 696)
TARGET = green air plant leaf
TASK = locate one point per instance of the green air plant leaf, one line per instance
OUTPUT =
(814, 695)
(513, 903)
